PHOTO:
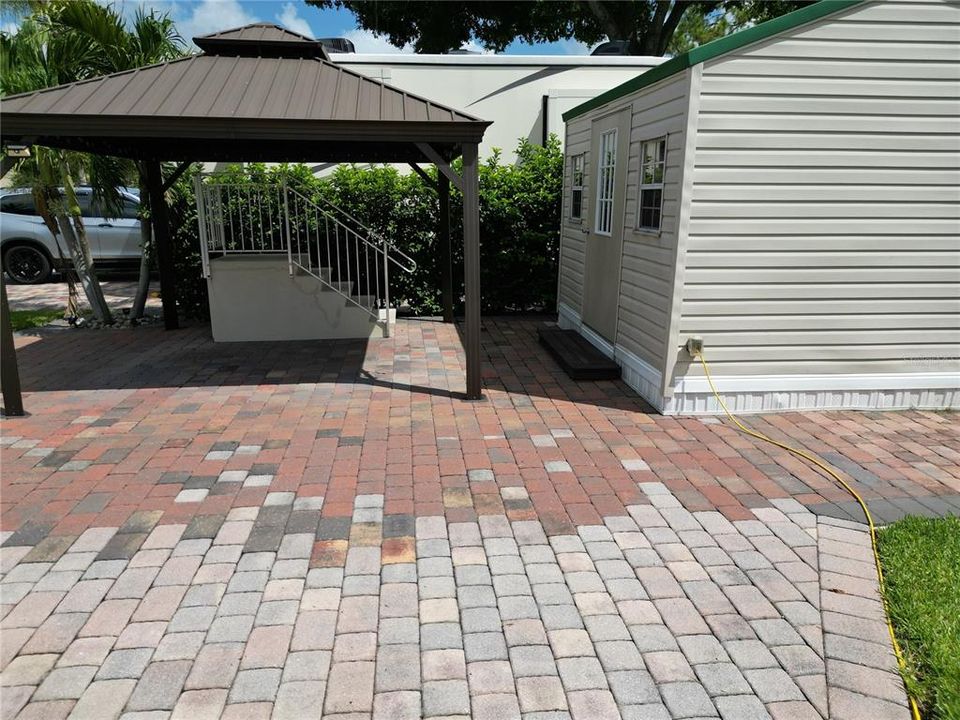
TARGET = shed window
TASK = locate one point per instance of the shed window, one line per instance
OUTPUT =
(605, 181)
(652, 160)
(576, 204)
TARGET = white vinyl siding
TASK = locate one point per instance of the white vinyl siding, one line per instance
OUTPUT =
(649, 260)
(572, 244)
(606, 175)
(823, 233)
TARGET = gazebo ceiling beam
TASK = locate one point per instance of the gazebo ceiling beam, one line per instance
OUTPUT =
(175, 175)
(442, 165)
(426, 178)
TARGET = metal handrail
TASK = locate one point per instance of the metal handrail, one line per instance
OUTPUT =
(412, 264)
(272, 218)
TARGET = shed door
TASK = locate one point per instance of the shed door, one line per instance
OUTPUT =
(601, 274)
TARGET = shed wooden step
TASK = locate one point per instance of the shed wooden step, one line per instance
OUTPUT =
(578, 358)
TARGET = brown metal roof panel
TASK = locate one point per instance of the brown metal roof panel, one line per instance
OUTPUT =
(126, 91)
(152, 97)
(368, 102)
(345, 99)
(302, 89)
(325, 92)
(258, 31)
(74, 97)
(252, 102)
(233, 90)
(192, 81)
(392, 107)
(277, 102)
(37, 102)
(414, 108)
(219, 71)
(108, 92)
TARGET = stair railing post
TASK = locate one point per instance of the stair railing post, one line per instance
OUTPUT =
(386, 288)
(286, 213)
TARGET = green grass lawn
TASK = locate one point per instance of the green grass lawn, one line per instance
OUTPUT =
(24, 319)
(921, 564)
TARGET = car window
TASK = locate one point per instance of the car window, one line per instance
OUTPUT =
(128, 209)
(85, 201)
(19, 204)
(131, 209)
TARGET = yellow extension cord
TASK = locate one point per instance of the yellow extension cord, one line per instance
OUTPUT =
(914, 710)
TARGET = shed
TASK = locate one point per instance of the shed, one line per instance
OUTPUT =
(791, 195)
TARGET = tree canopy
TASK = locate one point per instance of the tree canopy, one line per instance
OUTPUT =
(650, 27)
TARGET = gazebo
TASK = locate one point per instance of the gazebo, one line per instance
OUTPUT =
(262, 93)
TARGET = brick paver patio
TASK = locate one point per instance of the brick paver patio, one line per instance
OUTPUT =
(297, 530)
(53, 295)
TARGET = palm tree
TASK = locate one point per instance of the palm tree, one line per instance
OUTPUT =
(64, 42)
(31, 59)
(152, 39)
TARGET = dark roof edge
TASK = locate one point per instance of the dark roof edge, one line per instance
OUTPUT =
(19, 126)
(713, 49)
(274, 48)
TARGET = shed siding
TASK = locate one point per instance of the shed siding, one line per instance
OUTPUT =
(824, 219)
(646, 279)
(572, 239)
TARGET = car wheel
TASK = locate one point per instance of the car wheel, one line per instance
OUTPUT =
(26, 264)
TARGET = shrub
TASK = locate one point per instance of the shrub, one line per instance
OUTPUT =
(519, 227)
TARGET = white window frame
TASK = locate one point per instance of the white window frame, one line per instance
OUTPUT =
(577, 164)
(651, 185)
(606, 183)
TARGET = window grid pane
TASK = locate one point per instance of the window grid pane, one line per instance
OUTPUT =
(652, 165)
(576, 204)
(605, 186)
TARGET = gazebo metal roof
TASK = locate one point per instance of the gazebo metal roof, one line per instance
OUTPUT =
(257, 92)
(269, 37)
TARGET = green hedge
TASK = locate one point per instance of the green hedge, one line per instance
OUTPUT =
(519, 227)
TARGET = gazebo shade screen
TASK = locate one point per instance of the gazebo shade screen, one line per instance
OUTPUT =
(256, 93)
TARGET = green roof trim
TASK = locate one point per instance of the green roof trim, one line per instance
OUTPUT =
(713, 49)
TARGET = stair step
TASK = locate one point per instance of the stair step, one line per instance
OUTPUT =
(323, 273)
(341, 286)
(574, 353)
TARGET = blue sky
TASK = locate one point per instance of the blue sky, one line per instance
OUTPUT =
(198, 17)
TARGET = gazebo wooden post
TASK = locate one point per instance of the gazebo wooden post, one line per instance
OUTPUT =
(446, 254)
(471, 268)
(9, 372)
(161, 237)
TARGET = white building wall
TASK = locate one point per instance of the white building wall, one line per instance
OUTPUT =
(822, 266)
(509, 90)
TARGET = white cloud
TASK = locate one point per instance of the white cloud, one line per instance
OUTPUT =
(366, 42)
(211, 16)
(192, 19)
(291, 20)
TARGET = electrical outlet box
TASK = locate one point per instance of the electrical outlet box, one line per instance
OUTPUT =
(694, 346)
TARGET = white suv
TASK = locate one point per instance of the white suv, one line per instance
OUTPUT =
(28, 249)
